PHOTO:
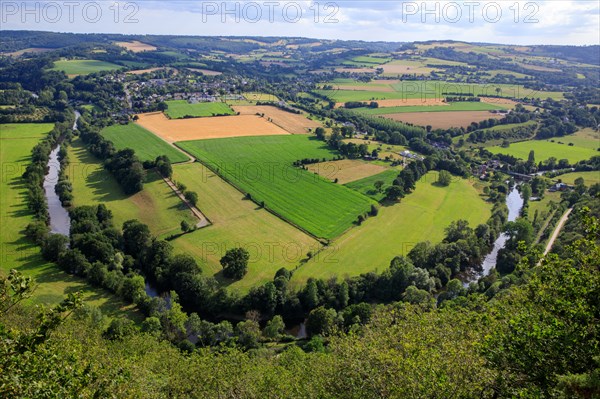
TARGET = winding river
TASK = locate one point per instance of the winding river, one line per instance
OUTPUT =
(60, 222)
(514, 202)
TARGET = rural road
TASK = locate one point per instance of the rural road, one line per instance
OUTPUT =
(557, 230)
(203, 219)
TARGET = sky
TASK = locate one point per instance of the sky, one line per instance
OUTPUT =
(574, 22)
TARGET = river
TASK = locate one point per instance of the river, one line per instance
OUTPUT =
(60, 222)
(514, 202)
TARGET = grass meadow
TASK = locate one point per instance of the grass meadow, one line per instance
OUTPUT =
(83, 67)
(147, 145)
(263, 167)
(271, 242)
(421, 216)
(366, 186)
(585, 145)
(17, 252)
(156, 205)
(181, 108)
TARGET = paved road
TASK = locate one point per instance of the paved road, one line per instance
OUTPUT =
(557, 230)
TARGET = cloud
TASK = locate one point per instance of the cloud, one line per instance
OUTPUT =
(513, 22)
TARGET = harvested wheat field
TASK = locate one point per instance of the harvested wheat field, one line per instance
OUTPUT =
(206, 72)
(293, 123)
(355, 70)
(136, 46)
(404, 102)
(346, 170)
(142, 71)
(400, 69)
(498, 101)
(217, 127)
(443, 120)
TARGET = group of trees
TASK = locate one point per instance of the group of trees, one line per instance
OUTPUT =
(36, 170)
(123, 164)
(538, 339)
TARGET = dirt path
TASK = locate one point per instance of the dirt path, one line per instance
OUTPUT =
(557, 230)
(203, 219)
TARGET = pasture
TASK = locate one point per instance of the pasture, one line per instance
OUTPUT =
(385, 150)
(262, 166)
(585, 145)
(421, 216)
(264, 97)
(366, 186)
(16, 251)
(346, 170)
(146, 145)
(83, 67)
(271, 242)
(173, 130)
(443, 120)
(589, 178)
(156, 205)
(292, 123)
(181, 108)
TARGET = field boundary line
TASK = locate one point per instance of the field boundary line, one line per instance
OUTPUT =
(204, 221)
(191, 159)
(228, 181)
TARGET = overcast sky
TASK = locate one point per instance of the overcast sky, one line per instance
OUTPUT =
(510, 22)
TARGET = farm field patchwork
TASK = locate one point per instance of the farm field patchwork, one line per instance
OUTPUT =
(443, 120)
(293, 123)
(385, 150)
(17, 252)
(346, 170)
(421, 216)
(156, 205)
(585, 145)
(260, 97)
(83, 67)
(147, 146)
(181, 108)
(436, 89)
(447, 107)
(173, 130)
(262, 166)
(136, 46)
(271, 242)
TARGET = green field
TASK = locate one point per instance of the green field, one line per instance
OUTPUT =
(272, 243)
(83, 67)
(455, 106)
(181, 108)
(366, 185)
(157, 205)
(497, 128)
(262, 166)
(589, 178)
(17, 252)
(436, 89)
(421, 216)
(585, 145)
(147, 146)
